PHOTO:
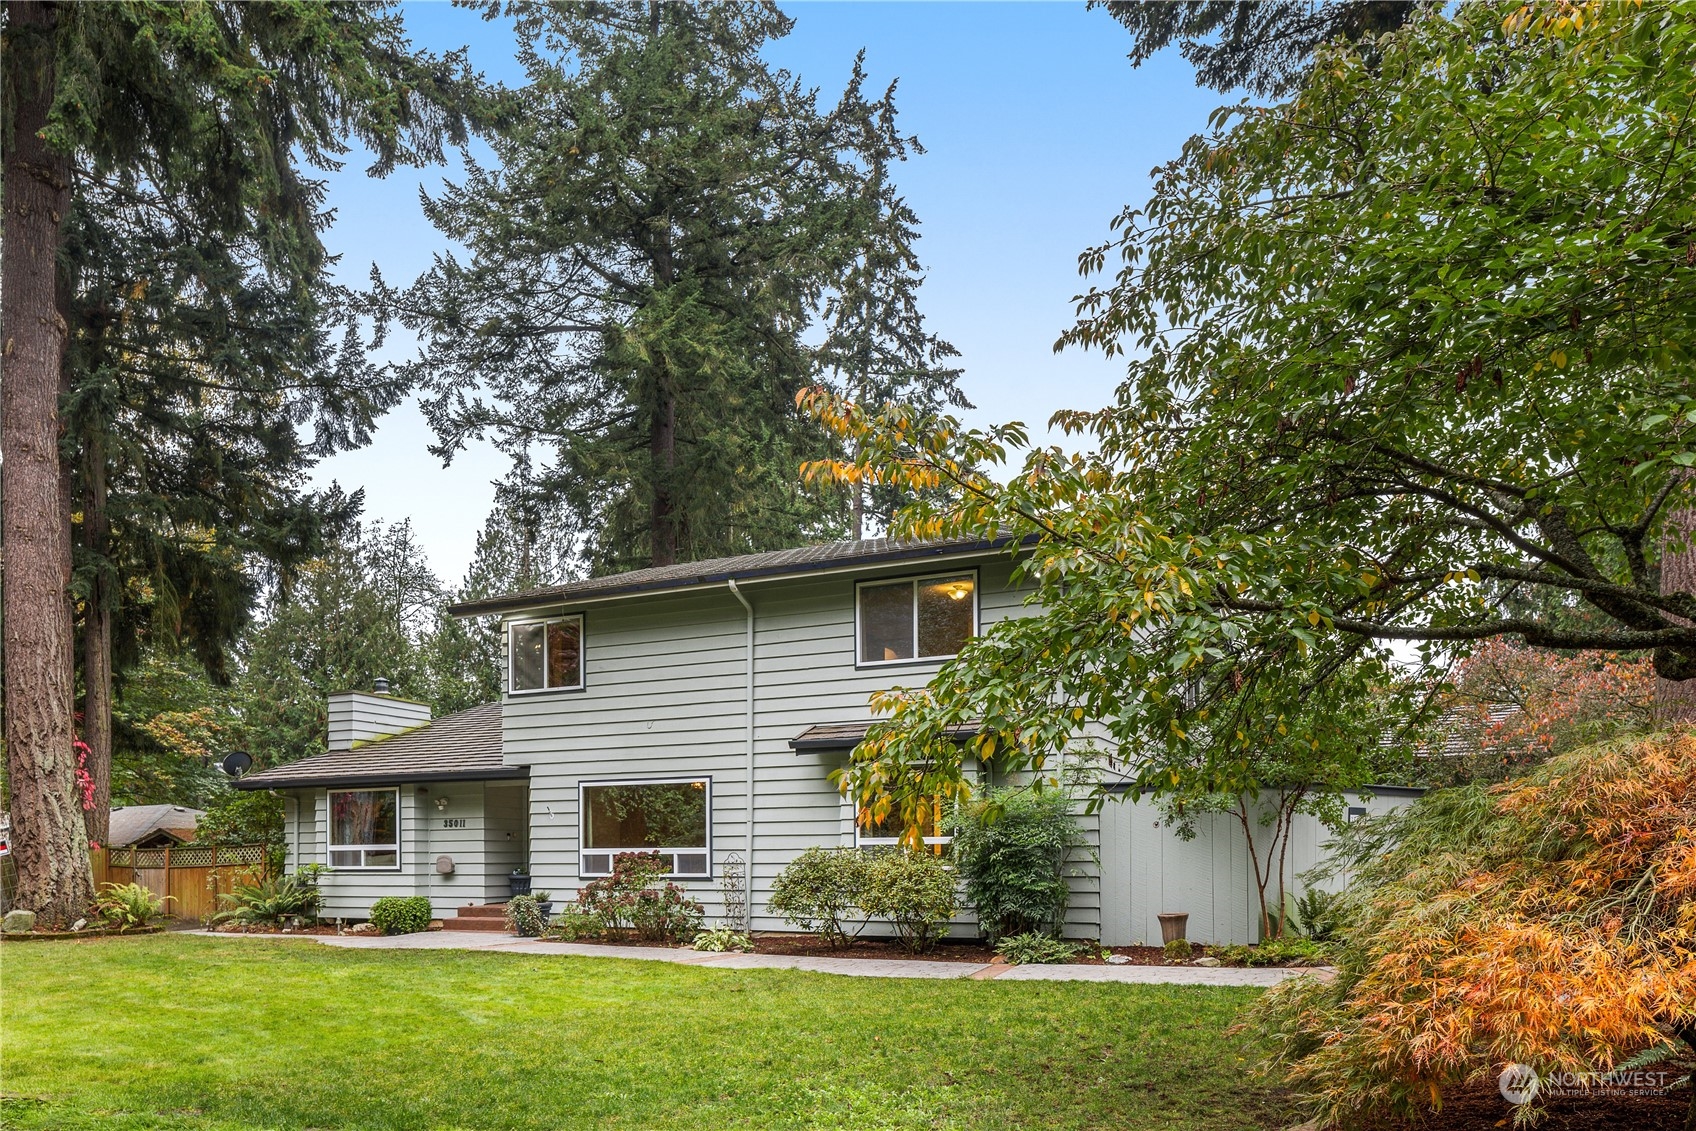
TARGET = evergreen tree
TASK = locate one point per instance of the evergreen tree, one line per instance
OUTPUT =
(523, 545)
(213, 107)
(666, 214)
(357, 613)
(1263, 47)
(877, 350)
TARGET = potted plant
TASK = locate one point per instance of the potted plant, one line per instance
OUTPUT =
(544, 902)
(519, 879)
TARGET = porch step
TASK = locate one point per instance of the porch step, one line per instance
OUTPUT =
(481, 911)
(478, 917)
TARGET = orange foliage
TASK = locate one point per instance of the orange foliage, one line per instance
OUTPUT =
(1550, 921)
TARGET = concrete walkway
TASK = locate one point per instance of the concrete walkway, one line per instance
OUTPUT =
(856, 967)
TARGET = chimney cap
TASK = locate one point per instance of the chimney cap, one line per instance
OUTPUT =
(379, 686)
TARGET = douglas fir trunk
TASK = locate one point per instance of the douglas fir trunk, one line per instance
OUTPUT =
(50, 843)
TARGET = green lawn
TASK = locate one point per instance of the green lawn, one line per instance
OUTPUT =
(175, 1032)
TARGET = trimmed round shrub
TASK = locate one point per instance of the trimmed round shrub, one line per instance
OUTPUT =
(818, 890)
(915, 890)
(401, 915)
(1011, 847)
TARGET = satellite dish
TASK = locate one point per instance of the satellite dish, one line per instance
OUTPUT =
(236, 763)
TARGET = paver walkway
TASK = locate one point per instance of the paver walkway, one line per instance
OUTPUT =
(857, 967)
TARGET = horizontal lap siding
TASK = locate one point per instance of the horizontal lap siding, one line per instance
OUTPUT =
(663, 697)
(478, 875)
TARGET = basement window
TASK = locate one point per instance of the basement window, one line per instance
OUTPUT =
(670, 817)
(545, 655)
(922, 618)
(365, 829)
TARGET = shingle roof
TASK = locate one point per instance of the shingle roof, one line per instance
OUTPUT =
(685, 575)
(131, 823)
(846, 736)
(463, 746)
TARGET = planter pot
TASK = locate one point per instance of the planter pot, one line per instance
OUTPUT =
(546, 909)
(520, 882)
(1173, 924)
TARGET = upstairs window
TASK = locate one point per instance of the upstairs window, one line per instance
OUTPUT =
(546, 655)
(365, 828)
(923, 618)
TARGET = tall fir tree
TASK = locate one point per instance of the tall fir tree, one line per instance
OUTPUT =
(665, 216)
(877, 350)
(215, 107)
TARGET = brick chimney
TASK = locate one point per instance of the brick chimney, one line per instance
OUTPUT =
(360, 716)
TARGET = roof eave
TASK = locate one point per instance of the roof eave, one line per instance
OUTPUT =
(501, 773)
(519, 603)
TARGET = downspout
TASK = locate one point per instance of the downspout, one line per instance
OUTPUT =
(748, 868)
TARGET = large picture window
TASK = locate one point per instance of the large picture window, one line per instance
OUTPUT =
(922, 618)
(546, 655)
(365, 828)
(672, 818)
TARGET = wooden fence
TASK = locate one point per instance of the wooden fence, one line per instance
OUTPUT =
(192, 877)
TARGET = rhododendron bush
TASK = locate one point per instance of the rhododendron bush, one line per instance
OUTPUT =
(1547, 921)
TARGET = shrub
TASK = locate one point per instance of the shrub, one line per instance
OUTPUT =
(1035, 948)
(401, 914)
(819, 889)
(1178, 950)
(1545, 921)
(627, 899)
(722, 939)
(915, 890)
(127, 906)
(523, 917)
(273, 901)
(1011, 847)
(1319, 913)
(575, 922)
(1274, 952)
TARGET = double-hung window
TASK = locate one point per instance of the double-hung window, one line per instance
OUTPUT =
(365, 828)
(672, 817)
(922, 618)
(545, 655)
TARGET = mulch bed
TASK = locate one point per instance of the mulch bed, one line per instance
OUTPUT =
(260, 929)
(1480, 1107)
(811, 947)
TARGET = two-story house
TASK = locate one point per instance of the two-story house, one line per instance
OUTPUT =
(698, 710)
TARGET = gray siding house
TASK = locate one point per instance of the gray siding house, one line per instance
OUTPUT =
(699, 709)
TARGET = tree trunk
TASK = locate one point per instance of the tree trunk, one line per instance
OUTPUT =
(50, 840)
(1675, 700)
(662, 449)
(97, 640)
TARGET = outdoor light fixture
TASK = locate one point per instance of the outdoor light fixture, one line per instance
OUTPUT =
(442, 804)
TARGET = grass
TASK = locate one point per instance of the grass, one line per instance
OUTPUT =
(202, 1034)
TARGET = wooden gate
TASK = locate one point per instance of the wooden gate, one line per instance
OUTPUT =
(191, 877)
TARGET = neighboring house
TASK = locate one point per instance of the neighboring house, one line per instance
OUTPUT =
(699, 710)
(151, 826)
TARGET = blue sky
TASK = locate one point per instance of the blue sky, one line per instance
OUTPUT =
(1038, 131)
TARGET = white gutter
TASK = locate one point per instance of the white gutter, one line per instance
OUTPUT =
(748, 867)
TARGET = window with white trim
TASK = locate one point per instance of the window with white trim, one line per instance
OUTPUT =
(918, 618)
(870, 832)
(672, 817)
(365, 829)
(545, 655)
